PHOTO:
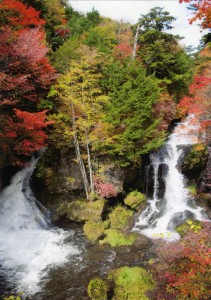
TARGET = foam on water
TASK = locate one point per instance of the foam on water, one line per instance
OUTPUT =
(158, 218)
(29, 246)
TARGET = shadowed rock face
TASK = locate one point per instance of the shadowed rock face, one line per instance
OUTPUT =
(162, 170)
(205, 182)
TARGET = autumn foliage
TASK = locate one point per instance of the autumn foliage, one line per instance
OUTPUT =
(202, 11)
(105, 190)
(184, 268)
(25, 77)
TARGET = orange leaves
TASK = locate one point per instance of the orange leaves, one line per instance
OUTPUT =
(203, 12)
(17, 14)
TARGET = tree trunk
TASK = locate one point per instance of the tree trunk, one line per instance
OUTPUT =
(79, 157)
(135, 43)
(89, 164)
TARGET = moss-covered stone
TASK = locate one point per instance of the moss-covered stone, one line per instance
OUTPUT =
(116, 238)
(188, 226)
(131, 283)
(93, 230)
(81, 210)
(120, 218)
(135, 199)
(196, 158)
(97, 289)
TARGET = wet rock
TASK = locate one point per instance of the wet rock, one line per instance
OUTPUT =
(121, 218)
(117, 238)
(131, 283)
(194, 161)
(135, 199)
(81, 210)
(97, 289)
(93, 230)
(179, 218)
(204, 185)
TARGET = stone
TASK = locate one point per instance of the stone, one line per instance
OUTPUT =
(117, 238)
(97, 289)
(120, 218)
(131, 283)
(93, 230)
(134, 199)
(81, 210)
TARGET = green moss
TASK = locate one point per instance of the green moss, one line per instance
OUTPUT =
(131, 283)
(97, 289)
(116, 238)
(192, 189)
(81, 210)
(188, 226)
(120, 217)
(93, 230)
(135, 199)
(196, 158)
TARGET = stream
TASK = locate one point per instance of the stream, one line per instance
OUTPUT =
(45, 262)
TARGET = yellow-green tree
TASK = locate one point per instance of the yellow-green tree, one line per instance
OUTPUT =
(81, 103)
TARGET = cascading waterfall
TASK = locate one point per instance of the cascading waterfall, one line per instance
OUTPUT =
(29, 246)
(172, 205)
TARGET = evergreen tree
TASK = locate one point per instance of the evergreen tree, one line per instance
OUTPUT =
(132, 95)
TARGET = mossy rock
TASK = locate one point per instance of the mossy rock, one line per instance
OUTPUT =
(196, 158)
(131, 283)
(81, 210)
(135, 199)
(97, 289)
(120, 218)
(116, 238)
(93, 230)
(189, 226)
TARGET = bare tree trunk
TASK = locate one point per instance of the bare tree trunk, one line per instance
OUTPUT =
(89, 164)
(79, 157)
(135, 43)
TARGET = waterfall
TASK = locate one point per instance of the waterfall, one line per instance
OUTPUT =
(169, 202)
(29, 245)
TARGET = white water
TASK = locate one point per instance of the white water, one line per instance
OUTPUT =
(29, 247)
(161, 215)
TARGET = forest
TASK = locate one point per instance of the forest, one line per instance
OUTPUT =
(95, 93)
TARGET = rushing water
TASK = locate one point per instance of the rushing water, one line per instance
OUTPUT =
(44, 262)
(29, 246)
(170, 203)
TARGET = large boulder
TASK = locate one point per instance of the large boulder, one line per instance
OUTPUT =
(81, 211)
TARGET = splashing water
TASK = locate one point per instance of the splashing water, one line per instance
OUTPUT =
(29, 246)
(162, 214)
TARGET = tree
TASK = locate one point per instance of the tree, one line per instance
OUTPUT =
(202, 11)
(161, 54)
(132, 129)
(53, 12)
(81, 102)
(25, 77)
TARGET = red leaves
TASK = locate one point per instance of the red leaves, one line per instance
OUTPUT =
(17, 14)
(105, 190)
(184, 267)
(25, 78)
(23, 134)
(203, 12)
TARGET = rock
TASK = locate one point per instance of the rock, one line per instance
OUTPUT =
(120, 218)
(116, 238)
(188, 226)
(204, 185)
(131, 283)
(113, 174)
(194, 161)
(135, 199)
(97, 289)
(81, 210)
(93, 230)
